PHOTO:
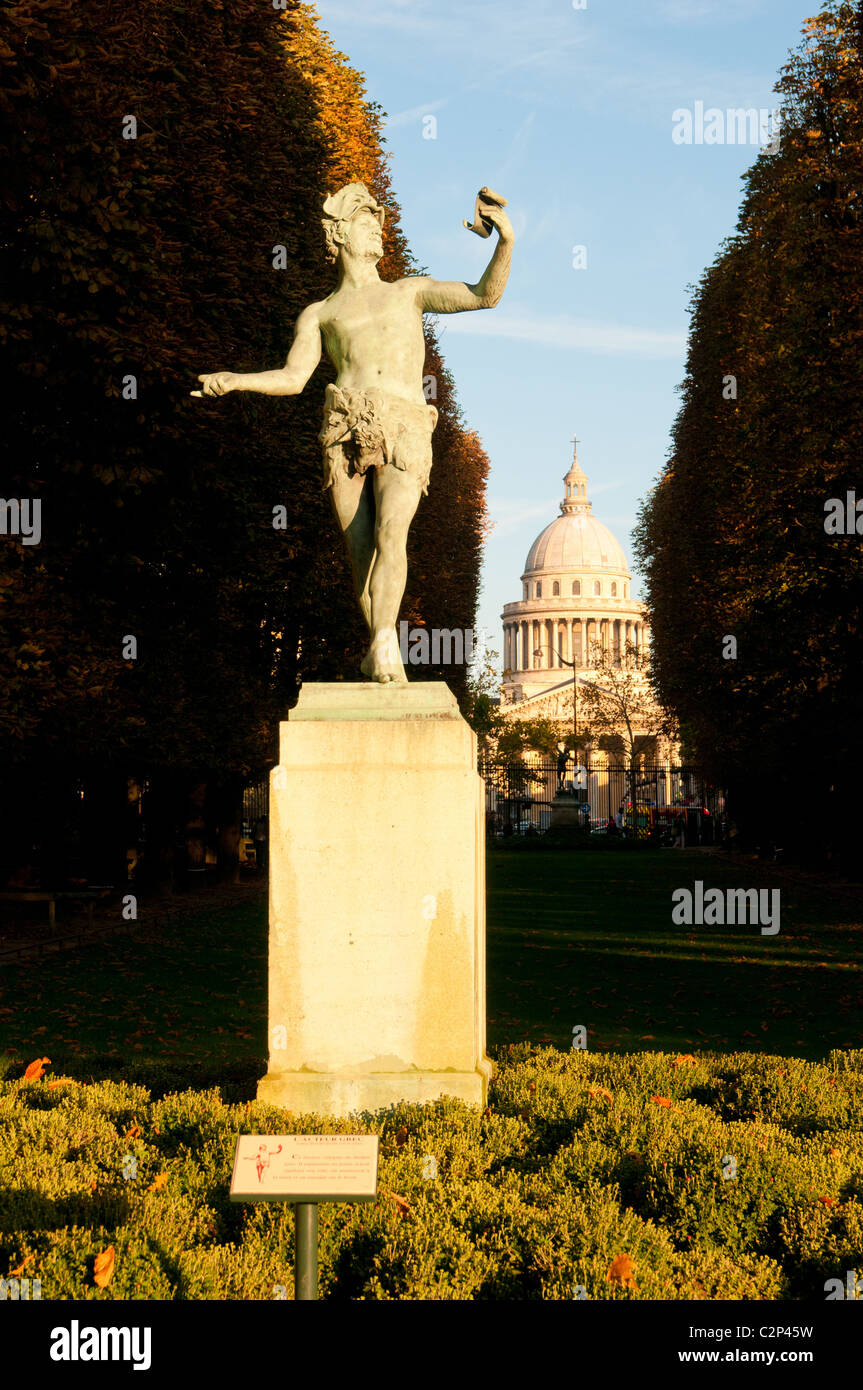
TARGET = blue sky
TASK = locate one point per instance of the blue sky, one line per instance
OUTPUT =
(568, 113)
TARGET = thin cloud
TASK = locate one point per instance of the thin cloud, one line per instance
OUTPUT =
(692, 11)
(415, 113)
(383, 14)
(565, 331)
(508, 515)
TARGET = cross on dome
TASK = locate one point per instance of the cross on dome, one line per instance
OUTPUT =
(575, 497)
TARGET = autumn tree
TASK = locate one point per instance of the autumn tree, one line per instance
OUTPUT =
(160, 217)
(620, 709)
(755, 607)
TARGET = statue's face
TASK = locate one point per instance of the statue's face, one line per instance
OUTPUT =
(365, 238)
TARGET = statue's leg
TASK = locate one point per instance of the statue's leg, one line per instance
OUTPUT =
(354, 506)
(397, 494)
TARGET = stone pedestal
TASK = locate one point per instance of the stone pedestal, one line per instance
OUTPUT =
(566, 813)
(377, 902)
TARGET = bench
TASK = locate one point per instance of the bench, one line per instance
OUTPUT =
(46, 895)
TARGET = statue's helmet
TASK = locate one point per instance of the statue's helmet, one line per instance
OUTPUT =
(340, 207)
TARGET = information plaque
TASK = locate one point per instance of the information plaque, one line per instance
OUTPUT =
(305, 1168)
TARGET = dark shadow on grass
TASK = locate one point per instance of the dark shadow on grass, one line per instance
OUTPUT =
(237, 1081)
(23, 1209)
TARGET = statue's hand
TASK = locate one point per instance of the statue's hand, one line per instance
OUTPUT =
(216, 384)
(498, 218)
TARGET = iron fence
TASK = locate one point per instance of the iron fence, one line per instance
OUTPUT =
(660, 802)
(255, 806)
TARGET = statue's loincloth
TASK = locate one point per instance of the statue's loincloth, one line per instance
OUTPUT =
(371, 429)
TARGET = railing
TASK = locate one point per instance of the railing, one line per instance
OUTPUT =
(661, 802)
(255, 806)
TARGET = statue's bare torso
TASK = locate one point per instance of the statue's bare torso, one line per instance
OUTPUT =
(374, 338)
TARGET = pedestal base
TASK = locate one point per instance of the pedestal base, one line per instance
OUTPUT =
(566, 813)
(305, 1093)
(377, 902)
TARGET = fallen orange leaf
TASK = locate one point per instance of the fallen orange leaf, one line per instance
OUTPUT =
(601, 1094)
(401, 1136)
(103, 1267)
(158, 1183)
(620, 1272)
(36, 1069)
(661, 1100)
(133, 1133)
(828, 1201)
(401, 1202)
(62, 1081)
(16, 1273)
(682, 1061)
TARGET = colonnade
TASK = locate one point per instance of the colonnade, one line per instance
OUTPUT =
(533, 644)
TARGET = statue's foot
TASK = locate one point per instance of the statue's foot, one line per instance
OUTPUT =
(382, 662)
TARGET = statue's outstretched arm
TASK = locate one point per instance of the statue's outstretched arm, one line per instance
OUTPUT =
(455, 296)
(304, 356)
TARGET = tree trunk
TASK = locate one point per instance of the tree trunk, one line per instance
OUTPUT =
(155, 875)
(196, 836)
(228, 807)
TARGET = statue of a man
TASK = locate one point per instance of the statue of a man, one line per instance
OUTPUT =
(377, 429)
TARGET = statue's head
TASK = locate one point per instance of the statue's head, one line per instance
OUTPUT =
(353, 221)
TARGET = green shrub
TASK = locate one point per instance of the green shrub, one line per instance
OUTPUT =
(718, 1176)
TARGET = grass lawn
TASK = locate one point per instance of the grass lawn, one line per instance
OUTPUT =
(574, 937)
(586, 937)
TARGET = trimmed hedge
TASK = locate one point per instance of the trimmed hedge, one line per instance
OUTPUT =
(579, 1159)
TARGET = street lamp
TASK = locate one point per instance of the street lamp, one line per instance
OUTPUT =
(537, 651)
(588, 749)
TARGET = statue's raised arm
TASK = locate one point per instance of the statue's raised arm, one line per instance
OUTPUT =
(455, 296)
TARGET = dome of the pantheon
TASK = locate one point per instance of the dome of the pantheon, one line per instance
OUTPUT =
(575, 595)
(575, 540)
(576, 545)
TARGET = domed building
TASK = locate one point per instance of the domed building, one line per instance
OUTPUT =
(576, 591)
